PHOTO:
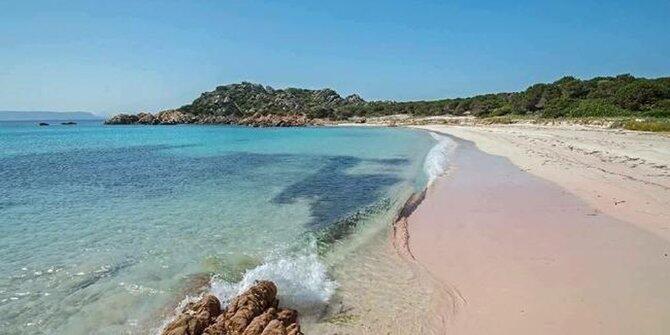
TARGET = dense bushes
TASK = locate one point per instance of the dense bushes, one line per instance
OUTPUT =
(623, 95)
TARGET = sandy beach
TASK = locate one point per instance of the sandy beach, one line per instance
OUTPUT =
(541, 230)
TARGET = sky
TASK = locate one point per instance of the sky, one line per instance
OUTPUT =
(127, 56)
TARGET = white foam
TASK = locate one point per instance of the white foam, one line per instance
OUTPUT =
(302, 282)
(437, 159)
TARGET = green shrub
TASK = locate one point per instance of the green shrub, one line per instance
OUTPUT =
(648, 125)
(640, 93)
(499, 120)
(558, 107)
(596, 108)
(658, 113)
(502, 110)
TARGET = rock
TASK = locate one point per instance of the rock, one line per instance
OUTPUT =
(293, 329)
(146, 118)
(174, 116)
(275, 327)
(69, 123)
(274, 120)
(42, 124)
(253, 312)
(287, 316)
(195, 317)
(122, 119)
(354, 99)
(243, 309)
(258, 324)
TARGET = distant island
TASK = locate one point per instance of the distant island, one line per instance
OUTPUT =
(47, 116)
(257, 105)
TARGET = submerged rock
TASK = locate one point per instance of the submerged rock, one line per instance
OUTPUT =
(254, 312)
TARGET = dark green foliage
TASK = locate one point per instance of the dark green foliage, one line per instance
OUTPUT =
(595, 107)
(660, 109)
(641, 94)
(623, 95)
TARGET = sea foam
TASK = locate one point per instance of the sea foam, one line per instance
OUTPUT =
(437, 159)
(302, 282)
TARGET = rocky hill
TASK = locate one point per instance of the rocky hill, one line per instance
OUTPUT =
(250, 104)
(247, 99)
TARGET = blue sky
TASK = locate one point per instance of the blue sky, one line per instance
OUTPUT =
(126, 56)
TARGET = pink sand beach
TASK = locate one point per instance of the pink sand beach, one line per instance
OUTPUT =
(549, 232)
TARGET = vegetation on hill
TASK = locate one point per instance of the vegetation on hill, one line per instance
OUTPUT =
(623, 95)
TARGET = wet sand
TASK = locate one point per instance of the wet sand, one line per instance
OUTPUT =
(520, 254)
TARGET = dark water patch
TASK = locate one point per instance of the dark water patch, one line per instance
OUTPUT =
(390, 161)
(145, 171)
(344, 227)
(5, 204)
(336, 194)
(105, 272)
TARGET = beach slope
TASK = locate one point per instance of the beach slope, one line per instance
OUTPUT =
(560, 231)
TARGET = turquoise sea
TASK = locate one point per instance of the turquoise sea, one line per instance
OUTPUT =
(105, 229)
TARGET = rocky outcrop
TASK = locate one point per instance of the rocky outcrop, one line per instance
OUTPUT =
(173, 117)
(145, 118)
(251, 105)
(122, 119)
(354, 99)
(276, 121)
(195, 317)
(254, 312)
(170, 117)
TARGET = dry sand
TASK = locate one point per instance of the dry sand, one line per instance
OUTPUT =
(567, 233)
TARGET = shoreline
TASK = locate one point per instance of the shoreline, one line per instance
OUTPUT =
(624, 174)
(533, 256)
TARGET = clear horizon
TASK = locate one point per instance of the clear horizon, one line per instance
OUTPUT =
(132, 56)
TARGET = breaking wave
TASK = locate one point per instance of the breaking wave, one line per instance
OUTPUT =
(302, 282)
(437, 159)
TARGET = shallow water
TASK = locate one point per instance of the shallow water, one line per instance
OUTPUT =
(103, 228)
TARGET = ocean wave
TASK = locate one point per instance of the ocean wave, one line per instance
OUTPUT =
(437, 159)
(302, 282)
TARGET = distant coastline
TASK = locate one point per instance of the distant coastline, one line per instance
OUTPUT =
(48, 116)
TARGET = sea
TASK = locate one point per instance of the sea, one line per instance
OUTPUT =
(108, 229)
